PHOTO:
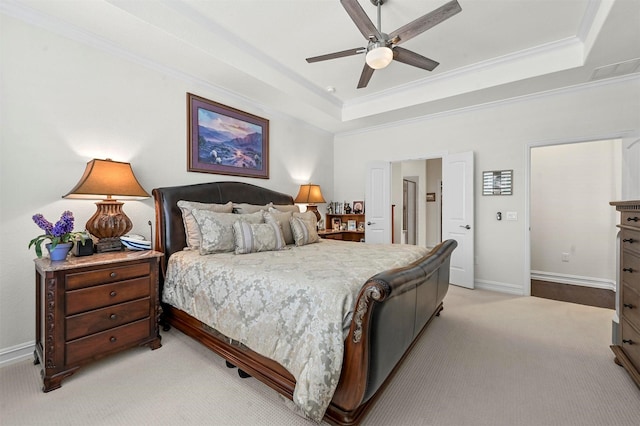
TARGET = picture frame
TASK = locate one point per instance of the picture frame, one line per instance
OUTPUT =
(336, 223)
(351, 225)
(224, 140)
(497, 182)
(358, 207)
(431, 197)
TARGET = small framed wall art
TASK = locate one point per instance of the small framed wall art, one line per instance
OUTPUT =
(358, 207)
(226, 141)
(497, 182)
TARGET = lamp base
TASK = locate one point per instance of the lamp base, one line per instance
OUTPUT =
(108, 244)
(314, 209)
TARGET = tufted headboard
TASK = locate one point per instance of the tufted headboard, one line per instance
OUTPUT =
(170, 233)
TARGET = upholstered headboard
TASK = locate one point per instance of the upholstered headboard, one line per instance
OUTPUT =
(170, 233)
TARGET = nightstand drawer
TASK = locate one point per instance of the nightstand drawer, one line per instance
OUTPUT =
(630, 219)
(106, 341)
(100, 296)
(106, 275)
(103, 319)
(631, 305)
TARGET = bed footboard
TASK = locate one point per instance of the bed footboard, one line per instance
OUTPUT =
(392, 309)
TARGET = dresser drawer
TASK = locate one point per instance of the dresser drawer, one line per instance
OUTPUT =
(106, 275)
(630, 269)
(631, 343)
(103, 319)
(630, 218)
(87, 299)
(630, 240)
(106, 341)
(631, 305)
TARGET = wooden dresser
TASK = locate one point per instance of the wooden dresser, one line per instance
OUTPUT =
(93, 306)
(627, 351)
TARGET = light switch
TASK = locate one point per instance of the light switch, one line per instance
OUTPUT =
(512, 215)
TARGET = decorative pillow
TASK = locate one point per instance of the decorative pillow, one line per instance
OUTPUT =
(244, 208)
(282, 219)
(308, 216)
(304, 232)
(216, 229)
(287, 207)
(252, 238)
(191, 228)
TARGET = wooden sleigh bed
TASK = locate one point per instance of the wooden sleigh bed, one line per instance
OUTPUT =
(390, 312)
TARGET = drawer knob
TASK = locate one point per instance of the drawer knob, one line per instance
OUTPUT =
(632, 219)
(627, 269)
(112, 339)
(113, 275)
(113, 294)
(628, 341)
(628, 305)
(113, 316)
(629, 240)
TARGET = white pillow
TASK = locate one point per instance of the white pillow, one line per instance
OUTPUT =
(304, 232)
(216, 229)
(287, 208)
(253, 238)
(191, 228)
(309, 216)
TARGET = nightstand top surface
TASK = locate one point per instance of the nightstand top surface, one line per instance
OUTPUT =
(45, 264)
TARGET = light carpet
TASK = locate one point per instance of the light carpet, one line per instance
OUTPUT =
(489, 359)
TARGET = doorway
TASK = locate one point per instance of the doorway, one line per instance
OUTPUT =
(409, 210)
(572, 226)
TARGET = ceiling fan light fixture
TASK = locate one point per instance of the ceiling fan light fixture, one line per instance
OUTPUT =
(379, 57)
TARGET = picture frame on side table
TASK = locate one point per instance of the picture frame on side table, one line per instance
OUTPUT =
(358, 207)
(351, 225)
(225, 140)
(336, 223)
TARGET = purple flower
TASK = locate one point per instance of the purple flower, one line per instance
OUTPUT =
(43, 223)
(64, 225)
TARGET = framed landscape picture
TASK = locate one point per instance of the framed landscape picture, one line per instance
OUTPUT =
(226, 141)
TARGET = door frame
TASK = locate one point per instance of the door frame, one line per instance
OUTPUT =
(624, 135)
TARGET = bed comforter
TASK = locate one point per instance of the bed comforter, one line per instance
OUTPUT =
(293, 306)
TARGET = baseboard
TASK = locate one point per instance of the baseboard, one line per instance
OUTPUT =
(499, 287)
(16, 353)
(574, 280)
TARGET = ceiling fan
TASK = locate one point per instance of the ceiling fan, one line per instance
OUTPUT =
(383, 48)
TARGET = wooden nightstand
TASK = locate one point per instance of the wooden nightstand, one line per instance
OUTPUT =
(93, 306)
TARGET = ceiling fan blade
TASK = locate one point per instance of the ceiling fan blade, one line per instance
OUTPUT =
(420, 25)
(361, 19)
(335, 55)
(412, 58)
(367, 72)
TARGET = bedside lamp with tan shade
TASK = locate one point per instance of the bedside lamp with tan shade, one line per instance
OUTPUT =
(311, 195)
(106, 179)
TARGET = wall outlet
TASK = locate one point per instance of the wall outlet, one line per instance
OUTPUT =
(512, 215)
(565, 257)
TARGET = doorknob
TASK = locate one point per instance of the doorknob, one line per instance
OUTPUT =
(465, 226)
(371, 223)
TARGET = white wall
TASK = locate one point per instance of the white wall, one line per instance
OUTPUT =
(64, 103)
(571, 186)
(500, 135)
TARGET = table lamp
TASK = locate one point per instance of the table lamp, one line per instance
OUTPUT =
(107, 179)
(311, 195)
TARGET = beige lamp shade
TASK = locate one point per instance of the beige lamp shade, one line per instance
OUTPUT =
(309, 194)
(107, 179)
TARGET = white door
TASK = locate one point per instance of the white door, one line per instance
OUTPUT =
(457, 215)
(377, 204)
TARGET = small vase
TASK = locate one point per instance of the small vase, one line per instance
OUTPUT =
(60, 251)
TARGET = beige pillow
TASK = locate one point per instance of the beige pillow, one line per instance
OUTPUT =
(192, 231)
(304, 232)
(287, 208)
(308, 216)
(282, 219)
(256, 237)
(244, 208)
(216, 229)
